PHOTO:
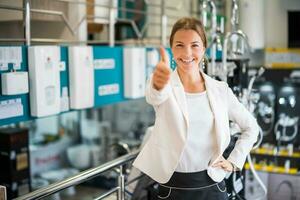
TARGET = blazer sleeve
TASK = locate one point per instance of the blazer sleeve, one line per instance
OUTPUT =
(249, 130)
(156, 97)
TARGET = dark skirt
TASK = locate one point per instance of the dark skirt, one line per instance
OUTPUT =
(192, 186)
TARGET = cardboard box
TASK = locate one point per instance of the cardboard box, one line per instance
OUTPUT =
(14, 159)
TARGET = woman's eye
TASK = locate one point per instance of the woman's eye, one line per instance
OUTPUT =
(179, 45)
(195, 45)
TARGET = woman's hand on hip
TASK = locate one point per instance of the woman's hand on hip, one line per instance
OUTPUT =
(224, 164)
(162, 72)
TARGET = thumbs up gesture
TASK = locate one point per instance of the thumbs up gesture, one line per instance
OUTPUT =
(162, 71)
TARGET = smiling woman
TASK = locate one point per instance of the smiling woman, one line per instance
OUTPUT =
(188, 51)
(188, 48)
(184, 153)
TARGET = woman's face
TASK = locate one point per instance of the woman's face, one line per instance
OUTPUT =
(187, 49)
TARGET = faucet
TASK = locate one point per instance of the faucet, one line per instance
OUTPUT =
(239, 34)
(215, 37)
(234, 15)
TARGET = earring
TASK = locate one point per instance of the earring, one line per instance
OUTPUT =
(173, 63)
(203, 64)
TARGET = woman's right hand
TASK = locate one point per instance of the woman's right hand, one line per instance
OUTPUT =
(162, 71)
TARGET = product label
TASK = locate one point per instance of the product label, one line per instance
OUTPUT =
(22, 161)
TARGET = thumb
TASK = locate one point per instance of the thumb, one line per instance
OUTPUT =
(164, 56)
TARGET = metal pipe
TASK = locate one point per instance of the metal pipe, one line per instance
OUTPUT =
(104, 6)
(63, 41)
(65, 20)
(40, 11)
(214, 16)
(214, 37)
(133, 25)
(213, 52)
(74, 30)
(234, 15)
(179, 6)
(164, 24)
(26, 21)
(108, 7)
(79, 178)
(204, 13)
(121, 184)
(111, 30)
(238, 33)
(145, 27)
(62, 16)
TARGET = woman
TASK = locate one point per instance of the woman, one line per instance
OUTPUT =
(191, 130)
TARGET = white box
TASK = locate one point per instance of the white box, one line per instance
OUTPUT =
(48, 157)
(11, 108)
(81, 77)
(14, 83)
(102, 13)
(44, 79)
(134, 72)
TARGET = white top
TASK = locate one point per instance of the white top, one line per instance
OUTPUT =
(201, 140)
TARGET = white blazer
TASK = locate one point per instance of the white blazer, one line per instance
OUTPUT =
(161, 153)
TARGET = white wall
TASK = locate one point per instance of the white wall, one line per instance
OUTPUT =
(184, 10)
(276, 21)
(43, 25)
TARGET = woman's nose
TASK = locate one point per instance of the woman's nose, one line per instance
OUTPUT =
(188, 51)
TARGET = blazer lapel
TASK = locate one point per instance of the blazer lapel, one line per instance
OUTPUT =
(180, 95)
(217, 106)
(218, 110)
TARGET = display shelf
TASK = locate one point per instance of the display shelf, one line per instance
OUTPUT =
(273, 169)
(271, 152)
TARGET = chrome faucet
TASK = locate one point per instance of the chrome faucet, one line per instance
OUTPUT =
(234, 15)
(240, 37)
(215, 37)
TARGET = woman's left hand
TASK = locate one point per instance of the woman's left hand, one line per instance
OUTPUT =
(224, 164)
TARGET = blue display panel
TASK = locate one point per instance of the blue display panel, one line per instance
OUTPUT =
(109, 86)
(10, 99)
(8, 102)
(64, 76)
(108, 80)
(108, 64)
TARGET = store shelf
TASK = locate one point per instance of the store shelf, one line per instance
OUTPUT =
(273, 169)
(282, 153)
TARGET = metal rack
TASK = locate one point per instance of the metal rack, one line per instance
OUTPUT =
(89, 174)
(27, 10)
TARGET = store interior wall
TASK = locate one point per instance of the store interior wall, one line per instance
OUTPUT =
(11, 24)
(42, 25)
(276, 21)
(125, 117)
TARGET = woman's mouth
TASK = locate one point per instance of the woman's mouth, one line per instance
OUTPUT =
(187, 61)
